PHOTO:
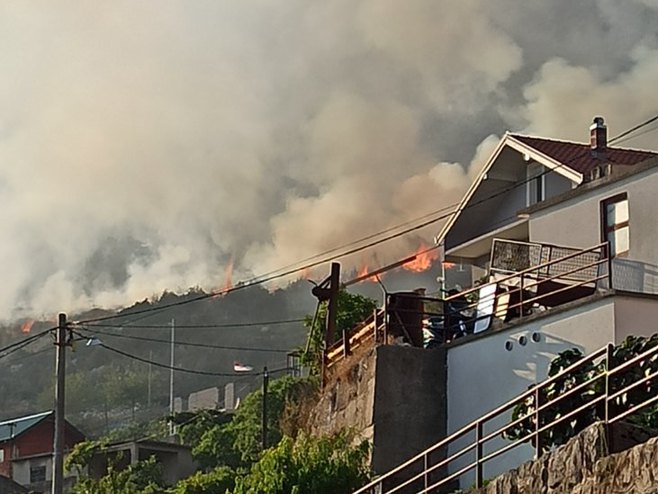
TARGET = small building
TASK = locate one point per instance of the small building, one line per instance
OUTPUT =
(176, 459)
(26, 449)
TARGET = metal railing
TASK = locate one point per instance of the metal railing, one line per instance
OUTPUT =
(608, 393)
(560, 279)
(566, 271)
(513, 256)
(371, 331)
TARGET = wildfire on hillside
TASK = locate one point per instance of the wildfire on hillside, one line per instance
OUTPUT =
(26, 327)
(425, 256)
(228, 280)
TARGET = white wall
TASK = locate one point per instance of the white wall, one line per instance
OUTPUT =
(576, 223)
(482, 374)
(636, 316)
(21, 469)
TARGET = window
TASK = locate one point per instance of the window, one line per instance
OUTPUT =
(2, 455)
(536, 188)
(614, 224)
(37, 474)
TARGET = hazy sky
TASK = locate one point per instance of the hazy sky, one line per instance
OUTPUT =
(144, 145)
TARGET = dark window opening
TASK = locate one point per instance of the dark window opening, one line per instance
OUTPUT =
(615, 226)
(37, 474)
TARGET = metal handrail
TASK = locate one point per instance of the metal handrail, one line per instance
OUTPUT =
(342, 347)
(612, 412)
(533, 268)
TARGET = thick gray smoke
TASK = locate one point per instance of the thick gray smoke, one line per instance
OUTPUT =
(146, 145)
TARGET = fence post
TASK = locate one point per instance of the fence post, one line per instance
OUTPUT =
(376, 333)
(608, 365)
(346, 343)
(608, 254)
(478, 455)
(538, 441)
(425, 467)
(521, 297)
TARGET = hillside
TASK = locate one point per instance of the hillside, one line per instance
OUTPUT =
(257, 326)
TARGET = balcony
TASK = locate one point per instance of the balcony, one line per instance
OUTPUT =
(524, 279)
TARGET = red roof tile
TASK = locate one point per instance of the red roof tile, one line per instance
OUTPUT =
(579, 157)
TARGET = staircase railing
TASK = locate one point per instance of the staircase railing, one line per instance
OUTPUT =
(609, 393)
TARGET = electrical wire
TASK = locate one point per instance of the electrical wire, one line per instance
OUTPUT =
(633, 129)
(259, 280)
(174, 368)
(184, 369)
(14, 347)
(183, 343)
(195, 326)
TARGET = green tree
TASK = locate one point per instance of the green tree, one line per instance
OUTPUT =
(144, 477)
(216, 441)
(309, 465)
(588, 389)
(352, 309)
(217, 481)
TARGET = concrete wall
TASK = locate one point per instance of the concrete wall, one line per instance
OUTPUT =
(208, 398)
(409, 409)
(576, 222)
(21, 470)
(393, 396)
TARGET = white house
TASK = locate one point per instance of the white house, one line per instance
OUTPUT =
(565, 235)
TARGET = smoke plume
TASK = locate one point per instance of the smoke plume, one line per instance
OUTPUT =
(149, 145)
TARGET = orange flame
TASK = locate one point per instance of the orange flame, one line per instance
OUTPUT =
(364, 270)
(228, 281)
(228, 276)
(424, 258)
(448, 265)
(26, 327)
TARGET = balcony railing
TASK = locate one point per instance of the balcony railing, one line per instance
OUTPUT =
(525, 278)
(567, 274)
(604, 395)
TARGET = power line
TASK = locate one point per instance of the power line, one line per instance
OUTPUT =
(184, 369)
(14, 347)
(174, 368)
(183, 343)
(633, 129)
(259, 280)
(197, 326)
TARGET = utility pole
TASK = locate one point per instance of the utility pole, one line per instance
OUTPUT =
(332, 306)
(327, 291)
(266, 379)
(60, 372)
(171, 375)
(148, 390)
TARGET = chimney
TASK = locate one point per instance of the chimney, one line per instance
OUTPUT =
(598, 138)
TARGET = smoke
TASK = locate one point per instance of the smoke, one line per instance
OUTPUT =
(148, 146)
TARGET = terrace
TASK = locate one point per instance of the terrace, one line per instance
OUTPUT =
(524, 279)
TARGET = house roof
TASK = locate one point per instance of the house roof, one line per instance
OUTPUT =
(16, 426)
(579, 157)
(569, 159)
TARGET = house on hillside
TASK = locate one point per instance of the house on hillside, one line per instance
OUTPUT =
(176, 459)
(26, 449)
(562, 236)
